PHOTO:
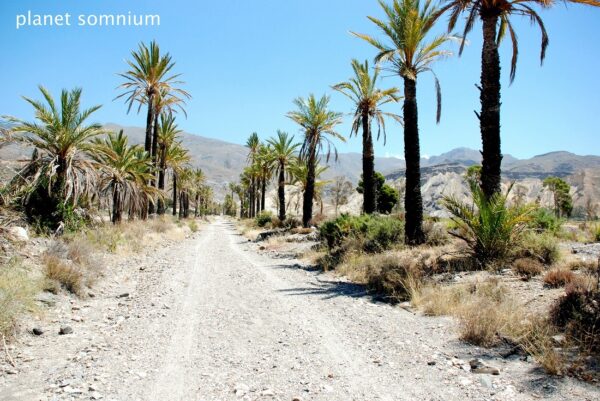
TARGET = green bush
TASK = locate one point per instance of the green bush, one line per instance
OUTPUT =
(542, 247)
(544, 220)
(488, 226)
(371, 233)
(263, 218)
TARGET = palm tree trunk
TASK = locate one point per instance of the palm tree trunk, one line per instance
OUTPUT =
(413, 202)
(251, 200)
(368, 160)
(155, 143)
(490, 109)
(257, 195)
(116, 212)
(263, 194)
(309, 191)
(281, 192)
(161, 180)
(149, 119)
(174, 194)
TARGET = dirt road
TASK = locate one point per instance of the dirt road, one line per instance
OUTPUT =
(210, 319)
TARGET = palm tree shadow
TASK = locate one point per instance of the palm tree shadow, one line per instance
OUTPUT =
(329, 289)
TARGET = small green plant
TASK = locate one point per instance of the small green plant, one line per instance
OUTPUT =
(193, 225)
(544, 220)
(263, 218)
(543, 247)
(372, 233)
(488, 226)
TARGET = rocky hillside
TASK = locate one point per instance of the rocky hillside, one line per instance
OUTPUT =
(223, 161)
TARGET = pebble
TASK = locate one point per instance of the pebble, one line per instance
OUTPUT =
(65, 330)
(38, 331)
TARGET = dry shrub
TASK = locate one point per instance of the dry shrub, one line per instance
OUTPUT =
(435, 233)
(558, 277)
(586, 265)
(527, 268)
(578, 313)
(80, 251)
(68, 275)
(193, 225)
(17, 295)
(161, 224)
(301, 230)
(537, 341)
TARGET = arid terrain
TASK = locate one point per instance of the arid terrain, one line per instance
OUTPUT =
(211, 317)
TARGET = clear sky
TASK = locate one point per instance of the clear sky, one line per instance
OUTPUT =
(245, 61)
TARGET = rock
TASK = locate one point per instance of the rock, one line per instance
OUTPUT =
(486, 381)
(46, 298)
(267, 393)
(38, 331)
(18, 234)
(431, 363)
(478, 366)
(558, 339)
(296, 399)
(65, 330)
(123, 295)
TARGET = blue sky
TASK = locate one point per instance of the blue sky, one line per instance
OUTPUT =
(245, 61)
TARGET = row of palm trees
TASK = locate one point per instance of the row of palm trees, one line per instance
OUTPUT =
(76, 164)
(409, 51)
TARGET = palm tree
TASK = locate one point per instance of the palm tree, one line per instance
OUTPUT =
(165, 103)
(318, 124)
(176, 158)
(147, 78)
(199, 178)
(299, 173)
(125, 173)
(167, 135)
(60, 172)
(265, 163)
(283, 150)
(253, 144)
(409, 55)
(362, 90)
(495, 16)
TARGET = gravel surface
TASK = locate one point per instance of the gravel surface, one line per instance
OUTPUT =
(210, 319)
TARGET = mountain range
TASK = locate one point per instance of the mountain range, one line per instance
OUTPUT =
(223, 161)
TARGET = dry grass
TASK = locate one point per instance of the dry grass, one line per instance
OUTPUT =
(558, 277)
(17, 295)
(68, 275)
(527, 268)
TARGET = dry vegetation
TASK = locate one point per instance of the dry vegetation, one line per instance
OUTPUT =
(73, 262)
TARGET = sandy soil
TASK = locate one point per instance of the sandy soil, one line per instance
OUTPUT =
(210, 319)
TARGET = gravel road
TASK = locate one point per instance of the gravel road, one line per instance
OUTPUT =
(210, 319)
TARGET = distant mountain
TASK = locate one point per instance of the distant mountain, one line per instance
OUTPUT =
(223, 161)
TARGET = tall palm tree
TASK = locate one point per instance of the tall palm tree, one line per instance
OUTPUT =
(283, 150)
(199, 179)
(61, 172)
(362, 90)
(265, 163)
(168, 103)
(299, 175)
(146, 79)
(253, 144)
(319, 124)
(410, 54)
(167, 135)
(125, 173)
(176, 158)
(495, 16)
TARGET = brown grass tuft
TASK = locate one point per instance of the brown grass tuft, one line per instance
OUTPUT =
(527, 268)
(558, 277)
(17, 295)
(68, 275)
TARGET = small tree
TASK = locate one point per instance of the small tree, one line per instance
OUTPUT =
(340, 191)
(563, 201)
(387, 197)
